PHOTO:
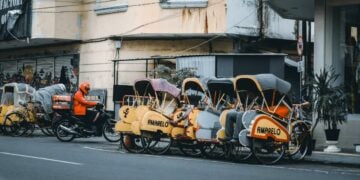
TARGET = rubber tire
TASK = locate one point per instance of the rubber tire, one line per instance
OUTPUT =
(192, 150)
(255, 142)
(106, 127)
(58, 131)
(126, 139)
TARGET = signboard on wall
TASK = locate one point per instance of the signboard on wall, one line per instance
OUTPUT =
(15, 17)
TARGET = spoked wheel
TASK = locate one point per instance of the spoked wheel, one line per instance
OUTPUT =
(30, 128)
(132, 143)
(60, 132)
(299, 147)
(189, 148)
(213, 151)
(47, 131)
(15, 124)
(268, 151)
(157, 145)
(239, 153)
(109, 133)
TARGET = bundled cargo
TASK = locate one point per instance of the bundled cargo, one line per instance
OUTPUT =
(62, 102)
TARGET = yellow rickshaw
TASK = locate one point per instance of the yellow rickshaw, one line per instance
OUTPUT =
(194, 100)
(14, 97)
(145, 123)
(222, 97)
(269, 124)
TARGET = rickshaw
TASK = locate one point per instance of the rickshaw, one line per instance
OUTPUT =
(221, 98)
(195, 96)
(14, 98)
(269, 124)
(145, 121)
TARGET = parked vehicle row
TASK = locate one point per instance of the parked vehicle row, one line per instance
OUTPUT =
(234, 118)
(237, 118)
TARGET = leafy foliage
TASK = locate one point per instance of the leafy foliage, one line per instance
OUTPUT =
(329, 101)
(173, 76)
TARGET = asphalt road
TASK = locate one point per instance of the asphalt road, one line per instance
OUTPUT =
(45, 158)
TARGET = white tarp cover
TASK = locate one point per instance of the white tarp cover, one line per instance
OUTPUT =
(44, 96)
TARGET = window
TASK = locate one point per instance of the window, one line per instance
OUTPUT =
(167, 4)
(103, 7)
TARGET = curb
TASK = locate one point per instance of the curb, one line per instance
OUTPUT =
(340, 159)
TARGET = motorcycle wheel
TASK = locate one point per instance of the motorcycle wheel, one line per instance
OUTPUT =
(109, 133)
(132, 143)
(189, 148)
(61, 134)
(268, 151)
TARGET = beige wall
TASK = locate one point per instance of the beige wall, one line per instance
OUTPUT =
(153, 19)
(62, 25)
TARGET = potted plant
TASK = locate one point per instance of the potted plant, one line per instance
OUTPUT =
(329, 103)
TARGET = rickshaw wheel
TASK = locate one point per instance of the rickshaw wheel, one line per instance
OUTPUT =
(61, 134)
(189, 148)
(239, 153)
(132, 143)
(212, 151)
(157, 145)
(47, 131)
(15, 124)
(268, 151)
(109, 134)
(299, 147)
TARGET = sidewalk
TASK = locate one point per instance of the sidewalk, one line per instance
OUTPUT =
(349, 159)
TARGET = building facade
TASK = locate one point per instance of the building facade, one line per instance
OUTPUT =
(336, 45)
(49, 41)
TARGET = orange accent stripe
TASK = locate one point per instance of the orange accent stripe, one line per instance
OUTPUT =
(271, 135)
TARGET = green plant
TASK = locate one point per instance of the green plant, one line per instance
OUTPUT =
(329, 101)
(173, 76)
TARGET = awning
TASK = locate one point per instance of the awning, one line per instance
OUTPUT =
(294, 9)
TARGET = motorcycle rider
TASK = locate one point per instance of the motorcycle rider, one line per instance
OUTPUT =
(81, 105)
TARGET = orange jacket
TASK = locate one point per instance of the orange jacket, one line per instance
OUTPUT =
(80, 104)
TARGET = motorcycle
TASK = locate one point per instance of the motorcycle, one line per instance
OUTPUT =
(68, 127)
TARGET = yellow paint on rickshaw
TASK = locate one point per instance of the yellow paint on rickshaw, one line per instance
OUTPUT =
(122, 127)
(135, 128)
(264, 127)
(223, 118)
(193, 118)
(190, 132)
(220, 134)
(4, 110)
(127, 113)
(141, 111)
(154, 122)
(177, 132)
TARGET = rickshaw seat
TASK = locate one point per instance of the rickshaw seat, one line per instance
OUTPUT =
(281, 111)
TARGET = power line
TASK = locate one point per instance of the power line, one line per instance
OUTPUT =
(79, 11)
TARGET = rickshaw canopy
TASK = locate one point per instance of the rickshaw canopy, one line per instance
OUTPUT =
(151, 86)
(195, 84)
(16, 92)
(261, 83)
(221, 85)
